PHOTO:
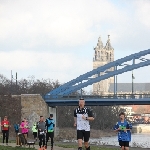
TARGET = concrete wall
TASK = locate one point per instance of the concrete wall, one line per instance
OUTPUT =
(33, 106)
(11, 106)
(30, 106)
(54, 112)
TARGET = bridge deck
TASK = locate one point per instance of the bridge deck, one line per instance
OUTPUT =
(98, 102)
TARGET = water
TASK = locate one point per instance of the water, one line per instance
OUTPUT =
(138, 140)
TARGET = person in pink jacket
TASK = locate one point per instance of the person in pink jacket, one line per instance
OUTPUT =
(24, 128)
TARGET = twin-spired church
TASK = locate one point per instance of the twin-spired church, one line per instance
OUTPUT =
(104, 54)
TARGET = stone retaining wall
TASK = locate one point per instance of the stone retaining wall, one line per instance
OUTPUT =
(11, 107)
(33, 106)
(30, 106)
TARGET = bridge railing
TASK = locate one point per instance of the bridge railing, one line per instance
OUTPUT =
(109, 96)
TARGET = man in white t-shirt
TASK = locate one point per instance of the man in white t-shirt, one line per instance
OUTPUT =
(82, 116)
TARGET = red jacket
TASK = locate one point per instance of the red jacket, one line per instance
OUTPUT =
(5, 125)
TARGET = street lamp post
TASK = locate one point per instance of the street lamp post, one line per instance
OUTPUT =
(12, 81)
(81, 93)
(132, 84)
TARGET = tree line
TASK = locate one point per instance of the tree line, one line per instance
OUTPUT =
(105, 116)
(26, 86)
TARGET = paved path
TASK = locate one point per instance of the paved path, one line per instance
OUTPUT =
(60, 148)
(106, 146)
(37, 147)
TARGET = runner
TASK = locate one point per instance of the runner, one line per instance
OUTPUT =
(42, 129)
(82, 116)
(24, 128)
(5, 129)
(50, 124)
(124, 134)
(16, 127)
(34, 130)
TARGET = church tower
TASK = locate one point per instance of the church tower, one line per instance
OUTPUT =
(102, 56)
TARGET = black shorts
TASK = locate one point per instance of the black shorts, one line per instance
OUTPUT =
(83, 134)
(26, 133)
(49, 135)
(124, 143)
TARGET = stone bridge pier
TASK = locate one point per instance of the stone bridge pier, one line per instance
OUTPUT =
(33, 106)
(53, 110)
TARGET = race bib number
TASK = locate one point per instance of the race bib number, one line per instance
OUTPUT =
(41, 132)
(122, 127)
(5, 125)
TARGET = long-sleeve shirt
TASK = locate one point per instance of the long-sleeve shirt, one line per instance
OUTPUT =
(41, 127)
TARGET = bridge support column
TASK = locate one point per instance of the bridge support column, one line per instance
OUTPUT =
(53, 110)
(115, 82)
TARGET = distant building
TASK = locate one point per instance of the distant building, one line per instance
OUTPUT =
(102, 56)
(127, 88)
(128, 110)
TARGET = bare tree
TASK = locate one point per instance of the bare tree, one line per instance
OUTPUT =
(27, 86)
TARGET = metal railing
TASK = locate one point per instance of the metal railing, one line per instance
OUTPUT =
(109, 96)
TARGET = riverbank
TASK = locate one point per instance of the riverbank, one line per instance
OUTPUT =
(138, 140)
(71, 134)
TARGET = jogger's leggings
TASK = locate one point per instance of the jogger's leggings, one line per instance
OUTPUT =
(5, 135)
(41, 140)
(50, 135)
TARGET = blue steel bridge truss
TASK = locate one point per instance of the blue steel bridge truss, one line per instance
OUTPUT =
(128, 63)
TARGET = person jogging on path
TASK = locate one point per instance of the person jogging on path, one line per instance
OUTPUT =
(34, 130)
(124, 134)
(42, 129)
(24, 128)
(50, 124)
(82, 116)
(5, 129)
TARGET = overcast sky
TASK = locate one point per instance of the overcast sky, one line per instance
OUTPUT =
(55, 38)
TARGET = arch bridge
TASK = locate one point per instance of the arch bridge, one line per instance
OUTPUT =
(62, 95)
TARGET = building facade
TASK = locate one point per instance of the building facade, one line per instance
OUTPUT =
(102, 55)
